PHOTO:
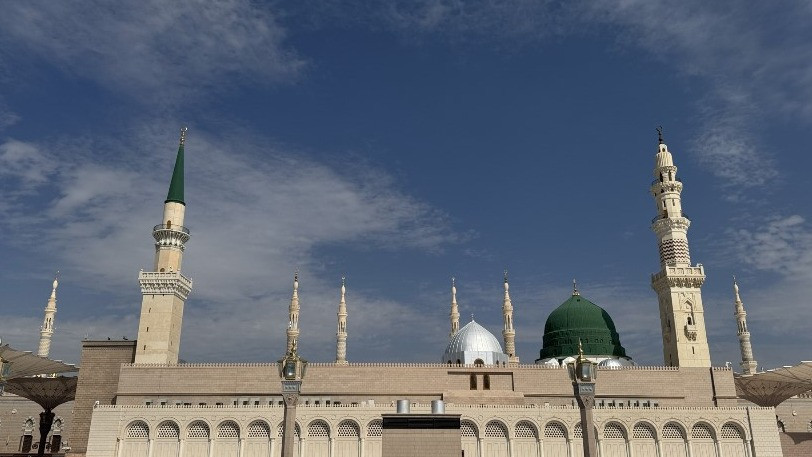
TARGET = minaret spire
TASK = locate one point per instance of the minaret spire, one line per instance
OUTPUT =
(341, 334)
(455, 312)
(508, 333)
(293, 314)
(748, 362)
(47, 329)
(164, 290)
(678, 284)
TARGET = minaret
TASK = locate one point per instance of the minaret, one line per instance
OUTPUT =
(455, 312)
(293, 314)
(164, 290)
(748, 362)
(47, 329)
(508, 332)
(341, 333)
(678, 284)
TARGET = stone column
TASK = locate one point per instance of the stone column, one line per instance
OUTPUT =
(291, 397)
(180, 447)
(242, 446)
(151, 447)
(119, 447)
(362, 443)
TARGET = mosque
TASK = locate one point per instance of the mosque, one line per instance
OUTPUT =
(135, 399)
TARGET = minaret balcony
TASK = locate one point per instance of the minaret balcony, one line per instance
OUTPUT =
(165, 283)
(690, 331)
(657, 180)
(167, 235)
(666, 216)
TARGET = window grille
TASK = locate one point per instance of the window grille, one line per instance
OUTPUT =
(526, 429)
(297, 432)
(578, 431)
(643, 431)
(374, 428)
(495, 429)
(228, 429)
(348, 428)
(168, 429)
(258, 429)
(701, 431)
(731, 431)
(467, 429)
(138, 430)
(318, 428)
(673, 431)
(555, 430)
(613, 430)
(198, 429)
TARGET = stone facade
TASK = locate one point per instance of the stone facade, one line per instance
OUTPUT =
(19, 423)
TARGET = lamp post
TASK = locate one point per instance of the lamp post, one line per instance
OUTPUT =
(583, 374)
(291, 371)
(5, 373)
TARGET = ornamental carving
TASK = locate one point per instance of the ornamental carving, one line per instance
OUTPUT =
(162, 283)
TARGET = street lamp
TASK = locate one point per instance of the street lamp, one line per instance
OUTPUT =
(292, 370)
(583, 373)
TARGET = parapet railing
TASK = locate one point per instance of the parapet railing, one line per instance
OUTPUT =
(427, 406)
(395, 365)
(177, 228)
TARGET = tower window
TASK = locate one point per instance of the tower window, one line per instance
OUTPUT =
(486, 382)
(473, 382)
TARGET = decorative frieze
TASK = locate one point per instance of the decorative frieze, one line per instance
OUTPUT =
(165, 283)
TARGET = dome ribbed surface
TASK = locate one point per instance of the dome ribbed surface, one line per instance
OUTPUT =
(578, 318)
(471, 338)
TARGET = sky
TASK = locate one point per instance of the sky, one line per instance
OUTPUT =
(400, 143)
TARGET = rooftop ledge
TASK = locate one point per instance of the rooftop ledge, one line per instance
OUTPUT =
(425, 407)
(273, 365)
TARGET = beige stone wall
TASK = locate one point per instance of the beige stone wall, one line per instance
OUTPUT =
(16, 411)
(524, 384)
(796, 414)
(110, 425)
(98, 381)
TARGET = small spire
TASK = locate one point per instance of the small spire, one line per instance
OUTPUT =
(56, 284)
(472, 317)
(506, 278)
(296, 279)
(660, 134)
(736, 289)
(575, 288)
(175, 193)
(343, 287)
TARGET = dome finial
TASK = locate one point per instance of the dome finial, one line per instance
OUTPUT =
(472, 317)
(506, 279)
(575, 287)
(660, 134)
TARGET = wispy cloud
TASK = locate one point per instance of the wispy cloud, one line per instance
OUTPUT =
(255, 214)
(151, 49)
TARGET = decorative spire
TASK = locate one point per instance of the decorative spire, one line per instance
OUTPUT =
(341, 333)
(660, 134)
(455, 312)
(47, 328)
(575, 288)
(736, 290)
(748, 363)
(293, 314)
(175, 193)
(508, 333)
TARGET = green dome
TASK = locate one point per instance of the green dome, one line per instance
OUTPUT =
(579, 318)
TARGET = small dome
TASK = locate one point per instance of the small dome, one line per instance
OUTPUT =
(473, 338)
(611, 363)
(580, 319)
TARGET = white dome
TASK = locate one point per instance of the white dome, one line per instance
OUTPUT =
(473, 338)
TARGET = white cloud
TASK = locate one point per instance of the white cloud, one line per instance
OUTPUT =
(151, 49)
(255, 212)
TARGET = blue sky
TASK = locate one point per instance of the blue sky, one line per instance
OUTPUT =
(399, 144)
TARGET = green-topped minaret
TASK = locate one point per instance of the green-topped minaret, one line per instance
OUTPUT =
(165, 289)
(175, 193)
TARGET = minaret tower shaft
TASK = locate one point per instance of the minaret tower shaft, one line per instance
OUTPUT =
(455, 311)
(508, 333)
(46, 331)
(678, 284)
(165, 290)
(293, 314)
(748, 362)
(341, 333)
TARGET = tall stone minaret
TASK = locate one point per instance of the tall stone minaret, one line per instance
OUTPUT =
(164, 290)
(455, 311)
(47, 329)
(341, 333)
(748, 362)
(508, 332)
(293, 313)
(678, 284)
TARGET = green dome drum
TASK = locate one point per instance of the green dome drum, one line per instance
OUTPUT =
(578, 318)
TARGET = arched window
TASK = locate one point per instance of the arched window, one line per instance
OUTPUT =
(479, 362)
(198, 429)
(472, 381)
(318, 429)
(468, 429)
(167, 429)
(555, 430)
(348, 428)
(526, 429)
(228, 429)
(259, 429)
(375, 428)
(486, 382)
(495, 429)
(297, 431)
